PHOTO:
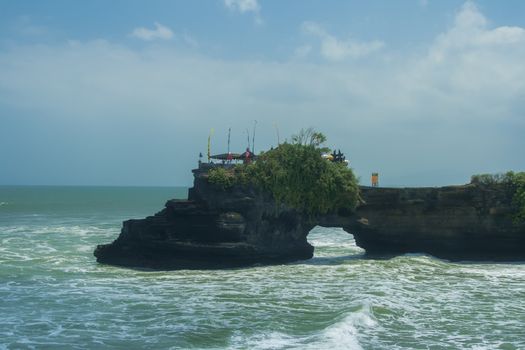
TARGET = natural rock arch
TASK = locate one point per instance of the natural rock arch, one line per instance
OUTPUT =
(214, 228)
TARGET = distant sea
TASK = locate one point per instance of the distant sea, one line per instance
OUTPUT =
(53, 294)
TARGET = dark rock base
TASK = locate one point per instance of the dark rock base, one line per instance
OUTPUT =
(213, 229)
(242, 226)
(467, 222)
(189, 256)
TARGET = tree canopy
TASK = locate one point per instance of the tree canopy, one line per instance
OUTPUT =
(296, 175)
(514, 182)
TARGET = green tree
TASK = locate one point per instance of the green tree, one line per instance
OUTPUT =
(513, 182)
(309, 137)
(221, 177)
(518, 180)
(296, 175)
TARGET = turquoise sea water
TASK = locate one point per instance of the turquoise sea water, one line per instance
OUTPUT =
(54, 295)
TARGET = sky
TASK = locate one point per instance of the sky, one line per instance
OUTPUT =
(125, 93)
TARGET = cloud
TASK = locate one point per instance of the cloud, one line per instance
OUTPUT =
(472, 57)
(471, 32)
(25, 26)
(335, 49)
(189, 40)
(429, 118)
(302, 51)
(160, 32)
(243, 5)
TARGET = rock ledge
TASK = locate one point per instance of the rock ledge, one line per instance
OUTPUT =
(243, 226)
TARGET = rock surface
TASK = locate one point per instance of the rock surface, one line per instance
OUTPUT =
(244, 226)
(212, 229)
(453, 222)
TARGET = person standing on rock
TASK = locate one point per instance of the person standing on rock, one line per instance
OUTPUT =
(375, 179)
(247, 156)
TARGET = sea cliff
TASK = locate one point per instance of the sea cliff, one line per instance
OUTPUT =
(244, 225)
(472, 221)
(213, 228)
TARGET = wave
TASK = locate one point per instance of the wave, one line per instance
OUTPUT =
(59, 229)
(341, 335)
(409, 301)
(344, 334)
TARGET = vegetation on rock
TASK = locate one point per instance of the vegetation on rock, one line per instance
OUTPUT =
(221, 177)
(514, 182)
(519, 196)
(296, 174)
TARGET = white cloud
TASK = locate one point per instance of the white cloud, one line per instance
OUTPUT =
(189, 40)
(471, 29)
(471, 33)
(469, 17)
(335, 49)
(160, 32)
(24, 25)
(302, 51)
(417, 119)
(243, 5)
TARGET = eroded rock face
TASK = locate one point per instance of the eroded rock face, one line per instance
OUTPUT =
(454, 222)
(212, 229)
(243, 226)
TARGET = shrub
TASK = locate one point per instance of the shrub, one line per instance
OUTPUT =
(492, 179)
(518, 180)
(514, 182)
(297, 175)
(221, 177)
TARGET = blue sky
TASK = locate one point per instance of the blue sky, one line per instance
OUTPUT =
(125, 92)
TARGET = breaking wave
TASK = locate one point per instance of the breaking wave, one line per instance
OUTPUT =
(53, 294)
(342, 335)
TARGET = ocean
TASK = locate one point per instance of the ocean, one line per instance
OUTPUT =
(53, 294)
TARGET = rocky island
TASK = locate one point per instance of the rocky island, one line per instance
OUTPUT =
(230, 221)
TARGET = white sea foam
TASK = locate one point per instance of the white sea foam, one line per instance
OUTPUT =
(58, 229)
(342, 335)
(335, 301)
(85, 248)
(264, 341)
